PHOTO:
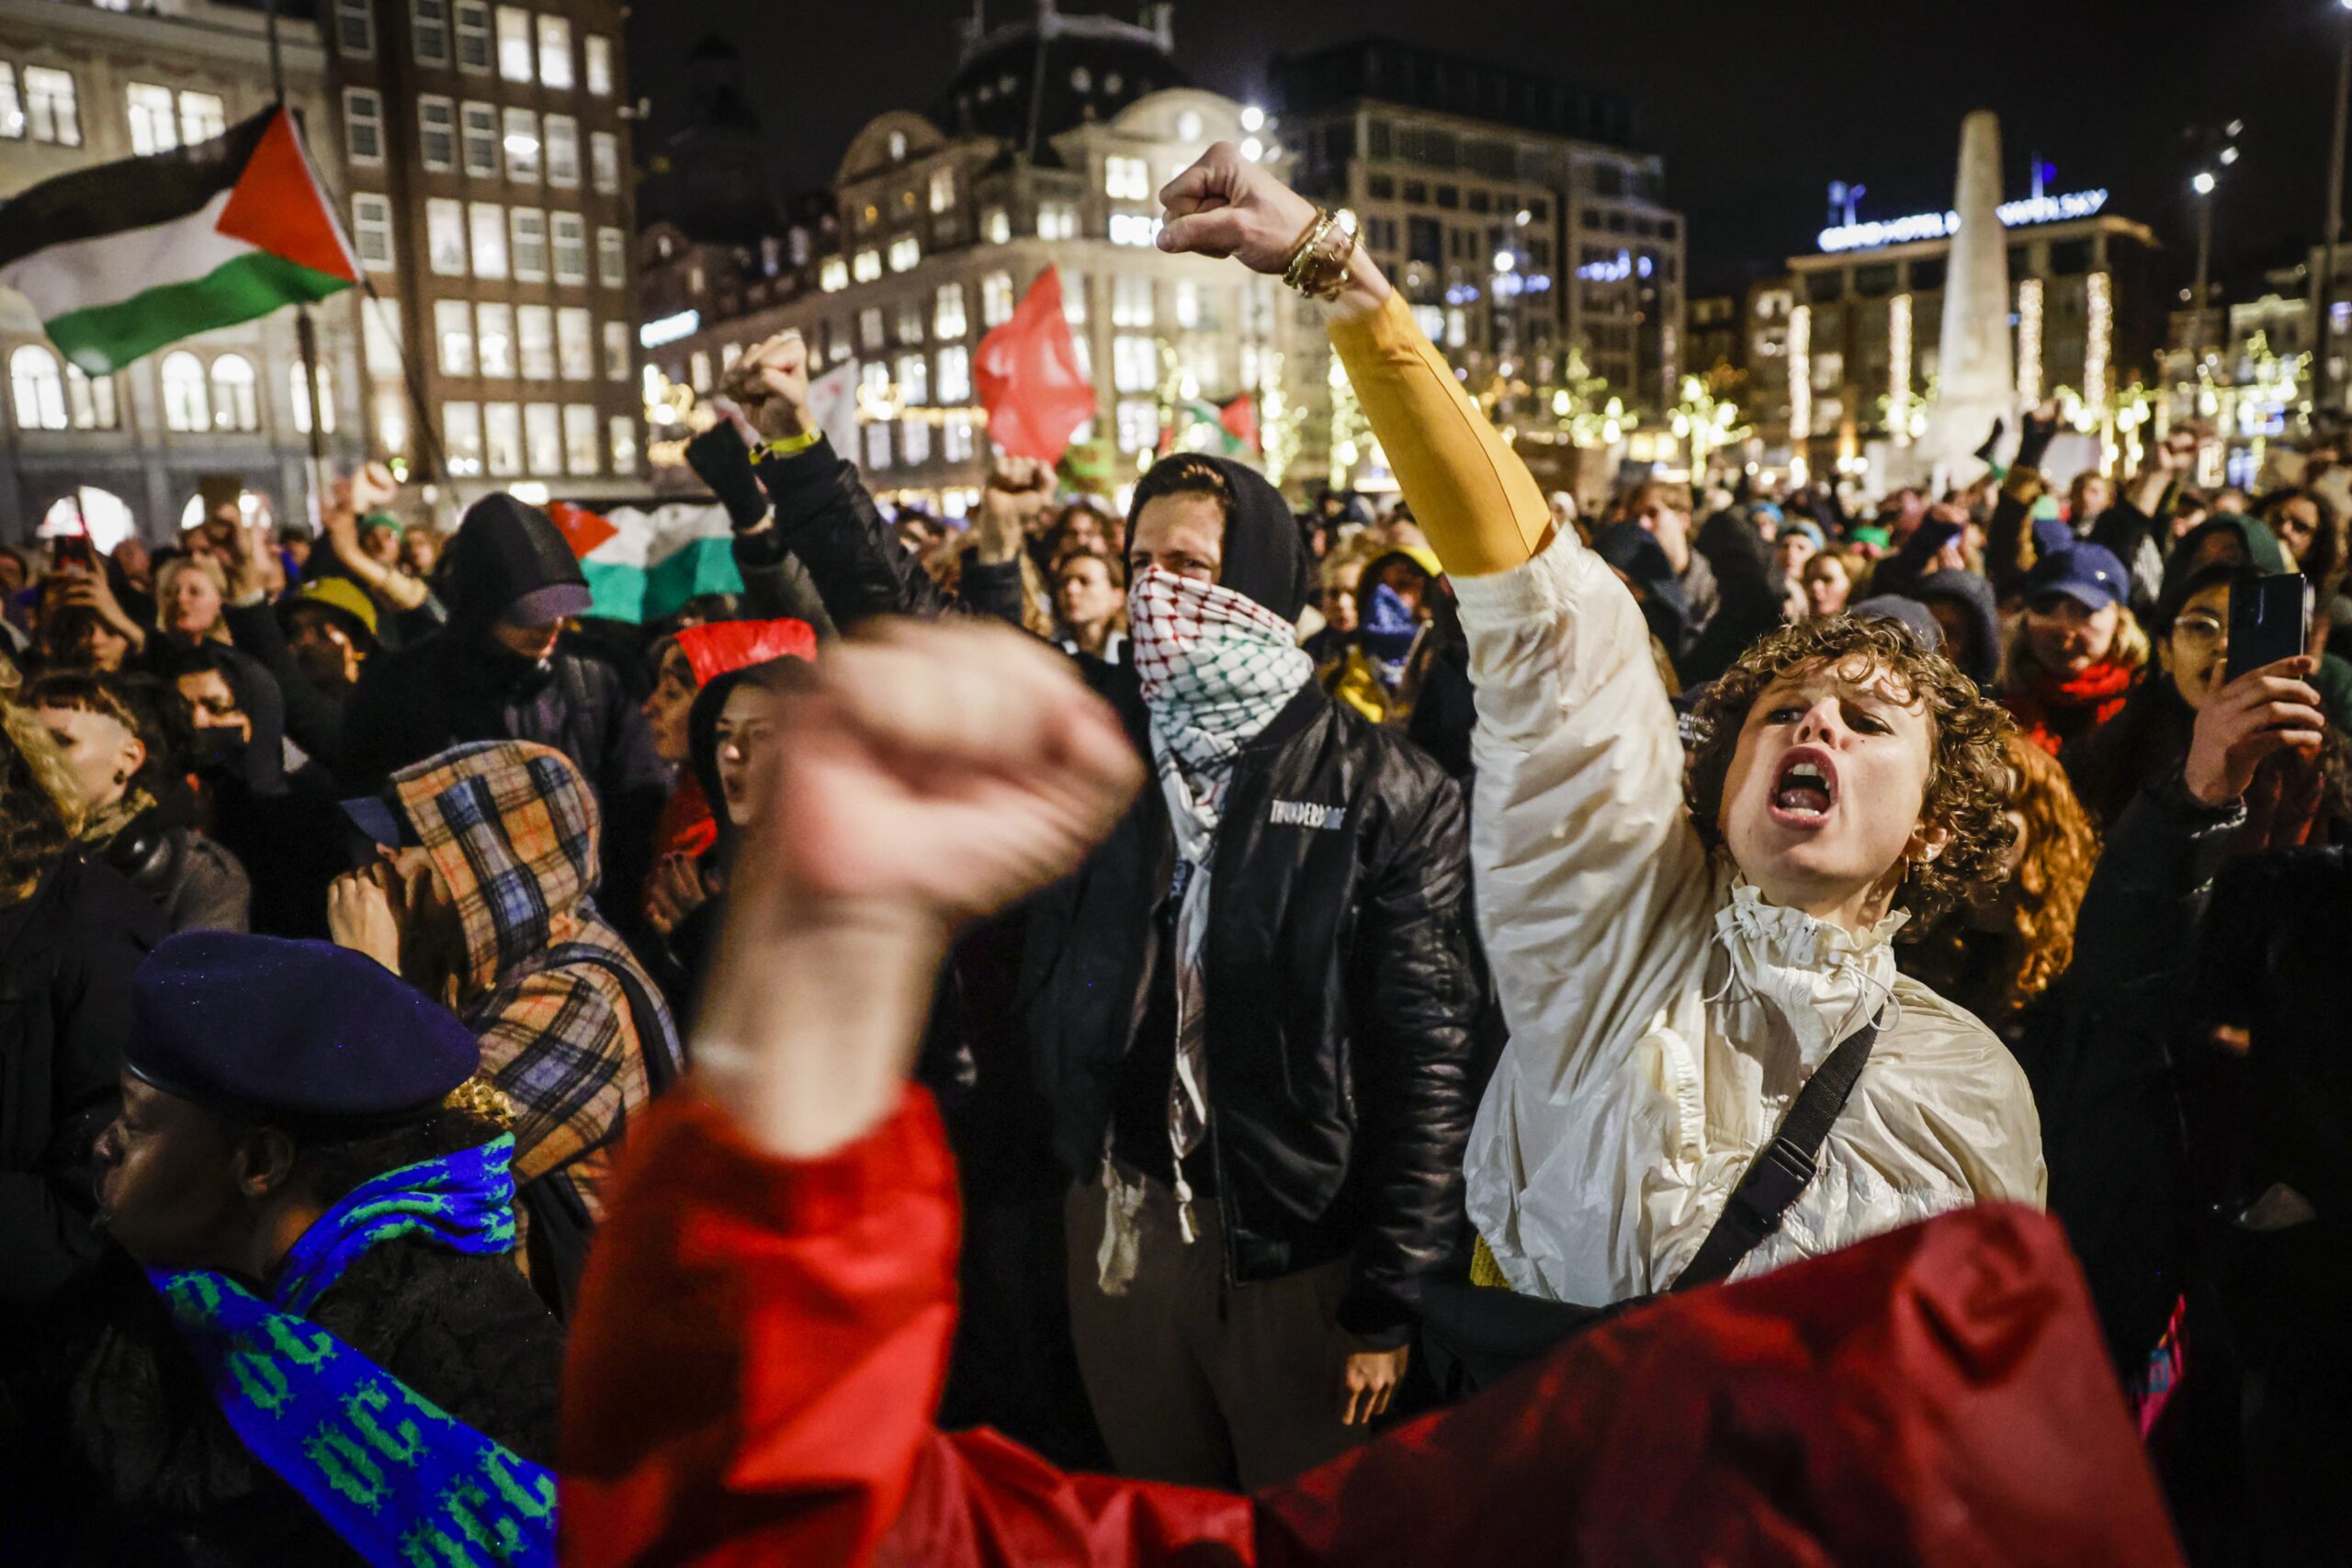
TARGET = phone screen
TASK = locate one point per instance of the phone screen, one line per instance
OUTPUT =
(2270, 619)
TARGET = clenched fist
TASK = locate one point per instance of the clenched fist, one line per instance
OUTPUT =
(770, 384)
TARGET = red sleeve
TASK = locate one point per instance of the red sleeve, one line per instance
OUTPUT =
(756, 1361)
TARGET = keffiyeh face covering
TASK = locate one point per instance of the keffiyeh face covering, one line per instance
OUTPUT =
(1217, 666)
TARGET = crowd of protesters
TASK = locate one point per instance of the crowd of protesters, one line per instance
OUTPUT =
(1343, 957)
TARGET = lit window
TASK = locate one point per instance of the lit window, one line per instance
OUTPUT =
(514, 44)
(623, 442)
(604, 161)
(1126, 179)
(878, 445)
(611, 258)
(833, 275)
(473, 36)
(1138, 426)
(1131, 301)
(575, 344)
(543, 437)
(955, 376)
(187, 404)
(371, 231)
(12, 107)
(1056, 220)
(528, 229)
(487, 222)
(430, 30)
(571, 246)
(898, 146)
(363, 124)
(869, 327)
(1081, 80)
(1188, 127)
(616, 351)
(555, 51)
(869, 265)
(355, 28)
(1134, 364)
(914, 380)
(578, 439)
(905, 251)
(914, 442)
(955, 441)
(699, 370)
(996, 226)
(564, 150)
(596, 54)
(522, 144)
(445, 236)
(52, 111)
(534, 341)
(947, 313)
(154, 122)
(1188, 306)
(480, 137)
(503, 438)
(494, 335)
(943, 189)
(910, 320)
(436, 134)
(202, 117)
(995, 299)
(298, 397)
(39, 387)
(1074, 298)
(89, 399)
(461, 438)
(1457, 328)
(453, 330)
(235, 405)
(1133, 229)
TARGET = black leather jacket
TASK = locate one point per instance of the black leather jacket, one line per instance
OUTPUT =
(1345, 990)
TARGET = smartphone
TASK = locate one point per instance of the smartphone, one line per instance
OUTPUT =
(2270, 619)
(73, 550)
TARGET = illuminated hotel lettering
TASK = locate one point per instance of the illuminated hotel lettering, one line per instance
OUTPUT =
(1936, 225)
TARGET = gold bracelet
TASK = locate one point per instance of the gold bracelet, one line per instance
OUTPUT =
(1307, 241)
(1329, 268)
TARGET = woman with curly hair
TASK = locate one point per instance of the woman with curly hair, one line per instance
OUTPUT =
(1678, 949)
(2001, 949)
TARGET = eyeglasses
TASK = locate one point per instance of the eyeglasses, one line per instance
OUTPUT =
(2198, 629)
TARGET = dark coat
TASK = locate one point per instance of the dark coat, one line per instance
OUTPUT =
(150, 1471)
(66, 958)
(198, 884)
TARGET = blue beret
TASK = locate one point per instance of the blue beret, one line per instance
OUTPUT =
(300, 1031)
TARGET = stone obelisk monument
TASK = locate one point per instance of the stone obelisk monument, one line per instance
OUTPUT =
(1975, 380)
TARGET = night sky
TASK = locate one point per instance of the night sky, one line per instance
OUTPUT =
(1757, 106)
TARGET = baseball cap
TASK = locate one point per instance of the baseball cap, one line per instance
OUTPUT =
(2088, 574)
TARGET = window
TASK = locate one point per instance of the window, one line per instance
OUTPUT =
(528, 228)
(943, 189)
(436, 133)
(996, 226)
(575, 344)
(363, 124)
(869, 327)
(522, 144)
(51, 108)
(429, 31)
(513, 43)
(234, 404)
(1138, 426)
(947, 313)
(494, 336)
(154, 122)
(543, 438)
(914, 442)
(578, 439)
(461, 438)
(453, 330)
(12, 107)
(611, 258)
(202, 117)
(615, 350)
(878, 445)
(596, 55)
(1056, 220)
(1131, 301)
(445, 234)
(89, 401)
(187, 406)
(564, 152)
(535, 340)
(1074, 298)
(298, 397)
(355, 28)
(1134, 364)
(1126, 179)
(371, 231)
(487, 220)
(833, 275)
(480, 122)
(955, 441)
(624, 444)
(473, 36)
(914, 379)
(503, 438)
(555, 52)
(39, 387)
(570, 245)
(604, 161)
(699, 370)
(1133, 229)
(955, 376)
(905, 251)
(867, 267)
(995, 299)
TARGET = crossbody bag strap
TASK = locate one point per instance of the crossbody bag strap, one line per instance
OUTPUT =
(1783, 1169)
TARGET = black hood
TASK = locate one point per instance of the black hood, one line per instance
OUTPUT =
(502, 552)
(1264, 557)
(1974, 595)
(1630, 548)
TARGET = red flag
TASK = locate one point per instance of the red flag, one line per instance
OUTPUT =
(1239, 417)
(580, 528)
(1028, 376)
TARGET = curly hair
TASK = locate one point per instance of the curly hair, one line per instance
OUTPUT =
(2052, 872)
(41, 807)
(1967, 762)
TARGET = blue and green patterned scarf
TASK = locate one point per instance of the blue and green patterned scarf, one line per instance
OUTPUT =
(405, 1484)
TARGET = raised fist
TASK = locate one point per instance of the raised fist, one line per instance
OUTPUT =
(1227, 206)
(770, 383)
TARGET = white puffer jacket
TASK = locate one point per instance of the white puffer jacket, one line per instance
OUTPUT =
(1662, 1015)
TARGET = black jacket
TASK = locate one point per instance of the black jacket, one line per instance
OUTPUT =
(1343, 989)
(198, 884)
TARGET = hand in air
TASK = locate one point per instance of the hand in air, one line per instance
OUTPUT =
(2261, 714)
(770, 384)
(1227, 206)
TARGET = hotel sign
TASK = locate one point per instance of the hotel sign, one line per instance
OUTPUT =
(1936, 225)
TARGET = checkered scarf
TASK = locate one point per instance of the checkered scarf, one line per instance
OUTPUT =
(1217, 666)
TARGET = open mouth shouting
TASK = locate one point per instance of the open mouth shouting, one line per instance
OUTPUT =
(1805, 789)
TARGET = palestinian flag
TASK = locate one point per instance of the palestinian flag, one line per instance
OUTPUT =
(643, 566)
(123, 258)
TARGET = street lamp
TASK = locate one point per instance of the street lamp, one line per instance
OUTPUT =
(2203, 185)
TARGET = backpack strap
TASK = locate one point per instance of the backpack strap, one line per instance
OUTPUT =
(657, 1038)
(1783, 1169)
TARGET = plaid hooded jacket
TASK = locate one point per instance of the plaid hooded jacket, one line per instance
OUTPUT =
(512, 827)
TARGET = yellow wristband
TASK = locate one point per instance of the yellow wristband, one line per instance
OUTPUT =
(790, 445)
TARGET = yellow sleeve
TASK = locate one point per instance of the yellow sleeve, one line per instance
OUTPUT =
(1473, 497)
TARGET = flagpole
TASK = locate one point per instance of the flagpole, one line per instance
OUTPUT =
(306, 335)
